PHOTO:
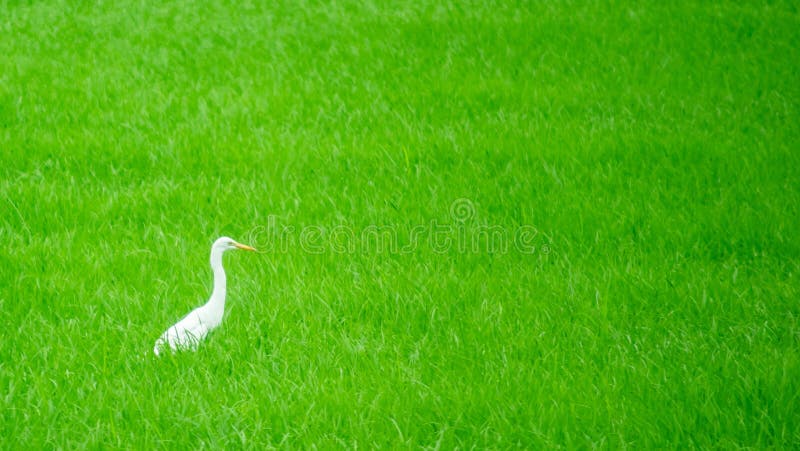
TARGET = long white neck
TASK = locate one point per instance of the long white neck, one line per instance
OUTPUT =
(217, 301)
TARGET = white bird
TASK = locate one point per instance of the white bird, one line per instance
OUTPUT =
(188, 332)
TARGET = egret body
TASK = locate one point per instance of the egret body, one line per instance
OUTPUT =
(188, 332)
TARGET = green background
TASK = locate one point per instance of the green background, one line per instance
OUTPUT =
(652, 146)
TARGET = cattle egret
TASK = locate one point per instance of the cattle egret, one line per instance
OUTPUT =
(188, 332)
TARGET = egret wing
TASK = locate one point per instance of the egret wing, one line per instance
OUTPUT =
(185, 334)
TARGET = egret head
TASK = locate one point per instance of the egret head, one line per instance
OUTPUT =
(224, 243)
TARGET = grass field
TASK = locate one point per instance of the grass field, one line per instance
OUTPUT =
(526, 224)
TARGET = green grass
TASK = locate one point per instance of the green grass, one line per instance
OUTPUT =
(652, 146)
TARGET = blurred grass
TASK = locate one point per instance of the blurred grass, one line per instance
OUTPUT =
(653, 146)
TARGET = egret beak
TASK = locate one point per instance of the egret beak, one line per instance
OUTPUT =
(244, 247)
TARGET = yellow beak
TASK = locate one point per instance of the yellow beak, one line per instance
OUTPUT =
(244, 247)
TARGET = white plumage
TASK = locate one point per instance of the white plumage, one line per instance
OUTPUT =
(188, 332)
